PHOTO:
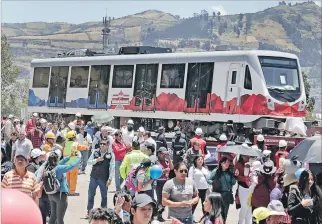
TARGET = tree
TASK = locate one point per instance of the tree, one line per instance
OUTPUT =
(14, 93)
(206, 46)
(218, 14)
(310, 101)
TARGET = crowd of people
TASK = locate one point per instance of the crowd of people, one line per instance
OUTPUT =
(44, 159)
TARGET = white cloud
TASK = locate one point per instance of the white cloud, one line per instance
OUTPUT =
(219, 8)
(318, 3)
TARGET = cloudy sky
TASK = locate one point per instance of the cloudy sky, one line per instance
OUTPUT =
(84, 11)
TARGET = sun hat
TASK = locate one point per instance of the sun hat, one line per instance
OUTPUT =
(260, 214)
(276, 208)
(289, 179)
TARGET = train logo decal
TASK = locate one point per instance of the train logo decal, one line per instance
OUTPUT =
(120, 100)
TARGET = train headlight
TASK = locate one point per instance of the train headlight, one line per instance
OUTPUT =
(270, 104)
(302, 105)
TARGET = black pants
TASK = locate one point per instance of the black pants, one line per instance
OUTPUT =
(202, 195)
(44, 206)
(159, 188)
(58, 205)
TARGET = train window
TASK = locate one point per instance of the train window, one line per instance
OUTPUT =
(41, 77)
(79, 77)
(123, 76)
(172, 76)
(233, 77)
(248, 79)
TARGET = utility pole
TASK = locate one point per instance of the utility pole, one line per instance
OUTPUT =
(105, 33)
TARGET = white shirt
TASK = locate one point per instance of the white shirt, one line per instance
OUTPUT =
(151, 140)
(127, 136)
(140, 140)
(81, 139)
(25, 145)
(199, 176)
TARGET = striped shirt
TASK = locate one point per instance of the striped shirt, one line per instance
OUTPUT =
(27, 184)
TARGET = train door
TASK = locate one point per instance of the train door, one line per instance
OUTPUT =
(58, 86)
(145, 86)
(198, 88)
(232, 89)
(98, 86)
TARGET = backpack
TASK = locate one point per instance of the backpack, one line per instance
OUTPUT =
(131, 181)
(51, 184)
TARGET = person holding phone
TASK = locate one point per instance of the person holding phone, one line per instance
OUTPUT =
(304, 201)
(102, 174)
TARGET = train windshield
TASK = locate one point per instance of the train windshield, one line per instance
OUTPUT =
(282, 78)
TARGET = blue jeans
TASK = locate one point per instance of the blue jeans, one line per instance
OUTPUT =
(93, 183)
(118, 178)
(84, 160)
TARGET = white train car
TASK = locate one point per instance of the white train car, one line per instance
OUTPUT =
(244, 87)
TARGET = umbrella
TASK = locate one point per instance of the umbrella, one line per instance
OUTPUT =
(103, 117)
(309, 150)
(240, 150)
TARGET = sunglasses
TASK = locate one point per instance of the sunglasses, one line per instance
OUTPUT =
(183, 171)
(103, 144)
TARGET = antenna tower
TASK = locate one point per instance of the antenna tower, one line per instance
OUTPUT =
(105, 33)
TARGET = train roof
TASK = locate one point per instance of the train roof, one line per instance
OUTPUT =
(189, 57)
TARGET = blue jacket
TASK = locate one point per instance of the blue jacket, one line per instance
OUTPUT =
(61, 170)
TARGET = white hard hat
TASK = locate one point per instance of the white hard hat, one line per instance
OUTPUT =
(57, 151)
(141, 129)
(11, 116)
(282, 144)
(78, 115)
(130, 122)
(35, 114)
(256, 165)
(198, 131)
(99, 124)
(267, 152)
(260, 138)
(43, 121)
(71, 125)
(223, 137)
(36, 153)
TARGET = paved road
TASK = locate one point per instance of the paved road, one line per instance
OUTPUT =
(76, 210)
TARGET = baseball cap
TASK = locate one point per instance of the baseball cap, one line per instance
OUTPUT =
(36, 153)
(276, 208)
(163, 150)
(142, 200)
(141, 129)
(20, 152)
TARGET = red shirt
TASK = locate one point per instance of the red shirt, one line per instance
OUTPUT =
(30, 125)
(277, 157)
(119, 150)
(201, 142)
(164, 164)
(36, 137)
(241, 177)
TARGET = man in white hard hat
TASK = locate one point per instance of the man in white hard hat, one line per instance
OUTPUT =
(31, 123)
(261, 142)
(78, 121)
(199, 139)
(128, 132)
(281, 153)
(43, 123)
(9, 128)
(222, 142)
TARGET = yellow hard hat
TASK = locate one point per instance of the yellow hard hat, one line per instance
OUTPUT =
(50, 135)
(71, 134)
(261, 213)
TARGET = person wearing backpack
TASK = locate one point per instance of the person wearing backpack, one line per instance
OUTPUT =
(139, 180)
(55, 183)
(102, 174)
